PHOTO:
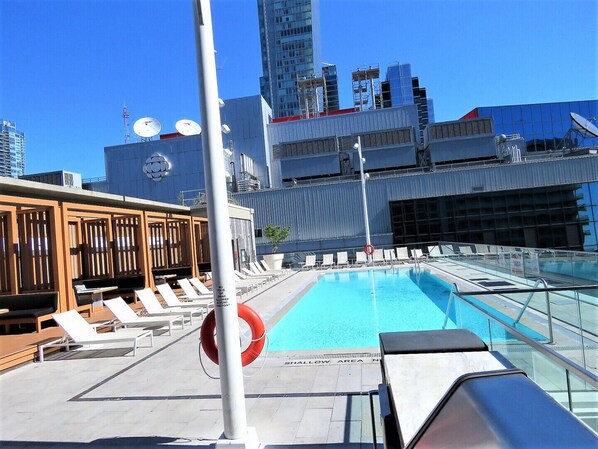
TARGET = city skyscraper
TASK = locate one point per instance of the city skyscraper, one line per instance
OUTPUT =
(290, 43)
(401, 88)
(12, 150)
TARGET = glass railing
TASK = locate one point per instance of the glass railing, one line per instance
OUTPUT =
(561, 374)
(526, 264)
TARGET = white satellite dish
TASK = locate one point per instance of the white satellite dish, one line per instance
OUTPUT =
(583, 125)
(187, 127)
(147, 127)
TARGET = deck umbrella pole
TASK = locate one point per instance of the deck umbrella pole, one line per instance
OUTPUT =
(236, 432)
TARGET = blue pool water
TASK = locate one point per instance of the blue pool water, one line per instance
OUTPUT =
(349, 309)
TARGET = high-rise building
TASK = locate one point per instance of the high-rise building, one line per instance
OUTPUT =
(401, 88)
(544, 126)
(331, 102)
(12, 150)
(290, 41)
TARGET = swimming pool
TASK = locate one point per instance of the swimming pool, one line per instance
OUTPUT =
(349, 309)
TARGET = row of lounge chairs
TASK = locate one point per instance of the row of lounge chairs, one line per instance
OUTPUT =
(195, 302)
(177, 309)
(380, 256)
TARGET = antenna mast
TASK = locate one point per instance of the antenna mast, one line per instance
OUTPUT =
(126, 123)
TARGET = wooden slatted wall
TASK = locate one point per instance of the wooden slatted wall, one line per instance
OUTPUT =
(95, 249)
(4, 258)
(202, 243)
(34, 256)
(157, 247)
(126, 245)
(178, 244)
(75, 251)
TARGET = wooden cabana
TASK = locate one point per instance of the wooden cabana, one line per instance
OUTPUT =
(53, 239)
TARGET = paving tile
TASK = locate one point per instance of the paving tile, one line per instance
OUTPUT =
(315, 423)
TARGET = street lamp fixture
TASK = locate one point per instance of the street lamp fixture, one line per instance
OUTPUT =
(363, 177)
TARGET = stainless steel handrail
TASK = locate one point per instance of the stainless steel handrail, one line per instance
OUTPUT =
(554, 356)
(454, 289)
(548, 311)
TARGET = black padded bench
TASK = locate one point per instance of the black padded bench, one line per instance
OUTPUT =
(28, 308)
(170, 275)
(126, 286)
(418, 342)
(427, 342)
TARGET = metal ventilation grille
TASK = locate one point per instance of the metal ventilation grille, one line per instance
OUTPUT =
(462, 128)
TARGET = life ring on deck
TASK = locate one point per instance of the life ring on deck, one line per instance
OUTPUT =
(258, 333)
(368, 249)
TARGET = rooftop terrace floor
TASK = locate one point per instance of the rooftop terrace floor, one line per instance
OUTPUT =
(162, 396)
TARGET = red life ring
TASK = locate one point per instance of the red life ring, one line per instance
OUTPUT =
(258, 333)
(368, 249)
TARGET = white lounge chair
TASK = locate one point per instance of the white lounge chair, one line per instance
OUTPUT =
(417, 254)
(310, 262)
(247, 283)
(259, 269)
(153, 307)
(360, 258)
(253, 275)
(402, 254)
(389, 256)
(327, 261)
(191, 295)
(172, 300)
(123, 313)
(80, 333)
(434, 251)
(378, 256)
(465, 250)
(447, 250)
(200, 287)
(342, 259)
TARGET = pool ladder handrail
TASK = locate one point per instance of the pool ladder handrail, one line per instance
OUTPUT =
(548, 311)
(455, 290)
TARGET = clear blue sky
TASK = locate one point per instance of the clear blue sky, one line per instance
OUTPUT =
(67, 67)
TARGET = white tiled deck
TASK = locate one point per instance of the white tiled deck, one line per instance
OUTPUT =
(162, 396)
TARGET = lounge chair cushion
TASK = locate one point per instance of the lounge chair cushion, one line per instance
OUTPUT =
(449, 340)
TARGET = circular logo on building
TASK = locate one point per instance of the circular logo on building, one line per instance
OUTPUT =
(156, 167)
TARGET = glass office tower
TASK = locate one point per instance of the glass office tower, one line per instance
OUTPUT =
(403, 89)
(544, 126)
(290, 42)
(12, 150)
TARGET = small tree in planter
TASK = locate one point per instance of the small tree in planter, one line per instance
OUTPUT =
(275, 234)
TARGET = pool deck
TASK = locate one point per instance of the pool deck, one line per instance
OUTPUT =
(102, 398)
(162, 396)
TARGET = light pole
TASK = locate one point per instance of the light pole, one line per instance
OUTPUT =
(225, 299)
(364, 199)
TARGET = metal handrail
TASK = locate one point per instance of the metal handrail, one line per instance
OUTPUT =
(548, 311)
(454, 289)
(514, 290)
(560, 360)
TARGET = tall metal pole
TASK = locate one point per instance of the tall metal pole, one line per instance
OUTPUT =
(227, 324)
(364, 198)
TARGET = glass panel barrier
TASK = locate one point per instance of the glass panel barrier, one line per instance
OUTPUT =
(571, 386)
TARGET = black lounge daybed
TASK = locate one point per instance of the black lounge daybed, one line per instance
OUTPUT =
(445, 389)
(28, 308)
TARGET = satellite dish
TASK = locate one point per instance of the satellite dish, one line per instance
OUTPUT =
(583, 125)
(147, 127)
(187, 127)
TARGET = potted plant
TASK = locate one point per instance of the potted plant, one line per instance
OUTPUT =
(275, 234)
